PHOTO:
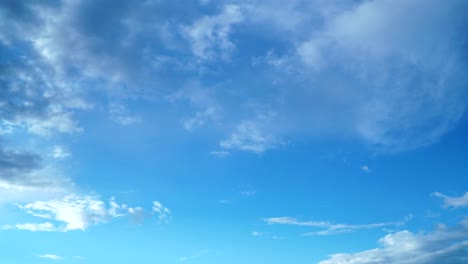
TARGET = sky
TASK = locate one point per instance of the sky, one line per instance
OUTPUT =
(234, 131)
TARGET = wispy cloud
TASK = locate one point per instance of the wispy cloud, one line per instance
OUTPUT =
(248, 192)
(220, 153)
(249, 136)
(267, 235)
(331, 228)
(380, 36)
(59, 152)
(202, 102)
(120, 114)
(163, 212)
(45, 227)
(197, 255)
(255, 233)
(199, 119)
(50, 256)
(454, 202)
(365, 168)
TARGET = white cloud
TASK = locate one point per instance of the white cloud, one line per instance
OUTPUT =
(163, 212)
(249, 136)
(293, 221)
(59, 152)
(126, 120)
(283, 64)
(76, 212)
(206, 107)
(441, 246)
(454, 202)
(248, 192)
(255, 233)
(120, 114)
(73, 212)
(291, 18)
(199, 119)
(56, 121)
(137, 214)
(220, 153)
(50, 256)
(311, 53)
(365, 168)
(43, 227)
(399, 56)
(387, 59)
(331, 228)
(6, 127)
(267, 235)
(209, 36)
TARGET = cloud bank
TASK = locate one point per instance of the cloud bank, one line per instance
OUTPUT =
(387, 73)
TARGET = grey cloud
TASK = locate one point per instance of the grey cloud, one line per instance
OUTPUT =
(19, 18)
(32, 101)
(117, 43)
(31, 94)
(17, 171)
(22, 90)
(11, 161)
(27, 173)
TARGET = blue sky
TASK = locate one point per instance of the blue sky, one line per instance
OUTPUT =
(233, 131)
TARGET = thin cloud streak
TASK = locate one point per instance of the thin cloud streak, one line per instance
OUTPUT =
(331, 228)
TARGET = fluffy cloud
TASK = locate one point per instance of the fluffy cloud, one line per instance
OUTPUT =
(209, 36)
(331, 228)
(119, 114)
(445, 245)
(78, 212)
